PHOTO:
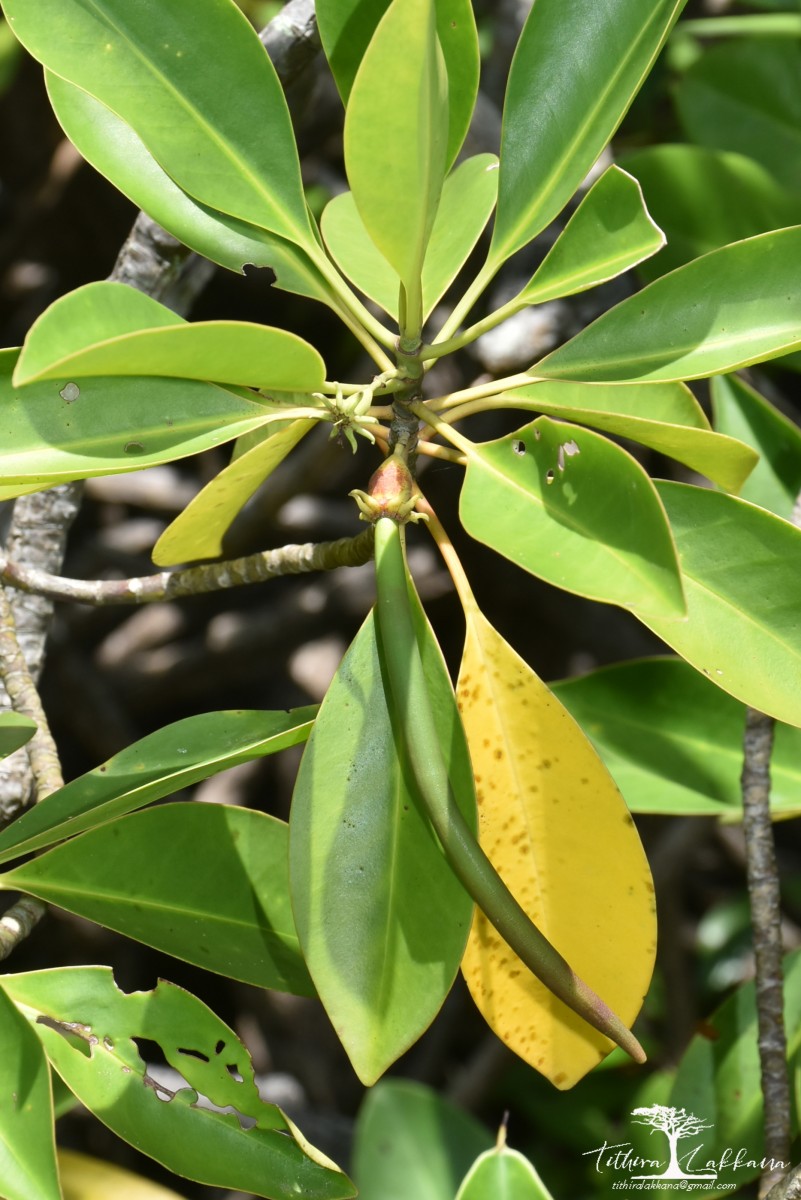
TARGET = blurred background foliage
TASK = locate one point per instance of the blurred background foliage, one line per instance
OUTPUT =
(715, 137)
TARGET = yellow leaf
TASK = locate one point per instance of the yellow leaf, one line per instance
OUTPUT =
(558, 832)
(85, 1178)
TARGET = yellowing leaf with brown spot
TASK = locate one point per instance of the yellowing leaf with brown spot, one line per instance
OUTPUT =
(558, 832)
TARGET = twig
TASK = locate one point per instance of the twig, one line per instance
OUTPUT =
(21, 917)
(194, 581)
(765, 898)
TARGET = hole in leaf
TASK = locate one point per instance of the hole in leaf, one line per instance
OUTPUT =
(234, 1072)
(218, 1049)
(519, 448)
(194, 1054)
(549, 476)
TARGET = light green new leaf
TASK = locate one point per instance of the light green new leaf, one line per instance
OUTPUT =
(199, 530)
(347, 26)
(411, 1144)
(741, 412)
(117, 152)
(738, 305)
(610, 232)
(15, 731)
(396, 130)
(575, 72)
(202, 95)
(52, 432)
(745, 96)
(689, 189)
(208, 883)
(159, 765)
(719, 1078)
(502, 1174)
(663, 416)
(28, 1168)
(576, 510)
(673, 741)
(88, 1026)
(468, 198)
(381, 918)
(112, 329)
(740, 567)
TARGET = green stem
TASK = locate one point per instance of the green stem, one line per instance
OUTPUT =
(438, 348)
(493, 388)
(352, 303)
(485, 276)
(468, 861)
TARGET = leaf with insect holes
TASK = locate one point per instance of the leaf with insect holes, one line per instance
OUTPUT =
(88, 1028)
(557, 830)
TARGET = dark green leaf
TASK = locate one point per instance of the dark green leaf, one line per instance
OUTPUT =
(746, 96)
(719, 1078)
(381, 918)
(51, 432)
(15, 731)
(738, 305)
(411, 1144)
(740, 567)
(574, 74)
(689, 193)
(347, 26)
(28, 1168)
(571, 507)
(202, 95)
(112, 329)
(160, 764)
(88, 1027)
(117, 152)
(208, 883)
(741, 412)
(674, 741)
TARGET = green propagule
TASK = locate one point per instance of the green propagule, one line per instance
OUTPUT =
(390, 504)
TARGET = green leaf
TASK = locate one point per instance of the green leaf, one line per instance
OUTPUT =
(610, 232)
(396, 130)
(745, 96)
(28, 1168)
(199, 530)
(674, 741)
(112, 329)
(663, 416)
(202, 95)
(719, 1077)
(381, 919)
(207, 883)
(574, 509)
(741, 412)
(571, 82)
(161, 763)
(114, 150)
(740, 568)
(411, 1144)
(689, 192)
(88, 1027)
(52, 432)
(15, 731)
(502, 1174)
(468, 198)
(347, 27)
(735, 306)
